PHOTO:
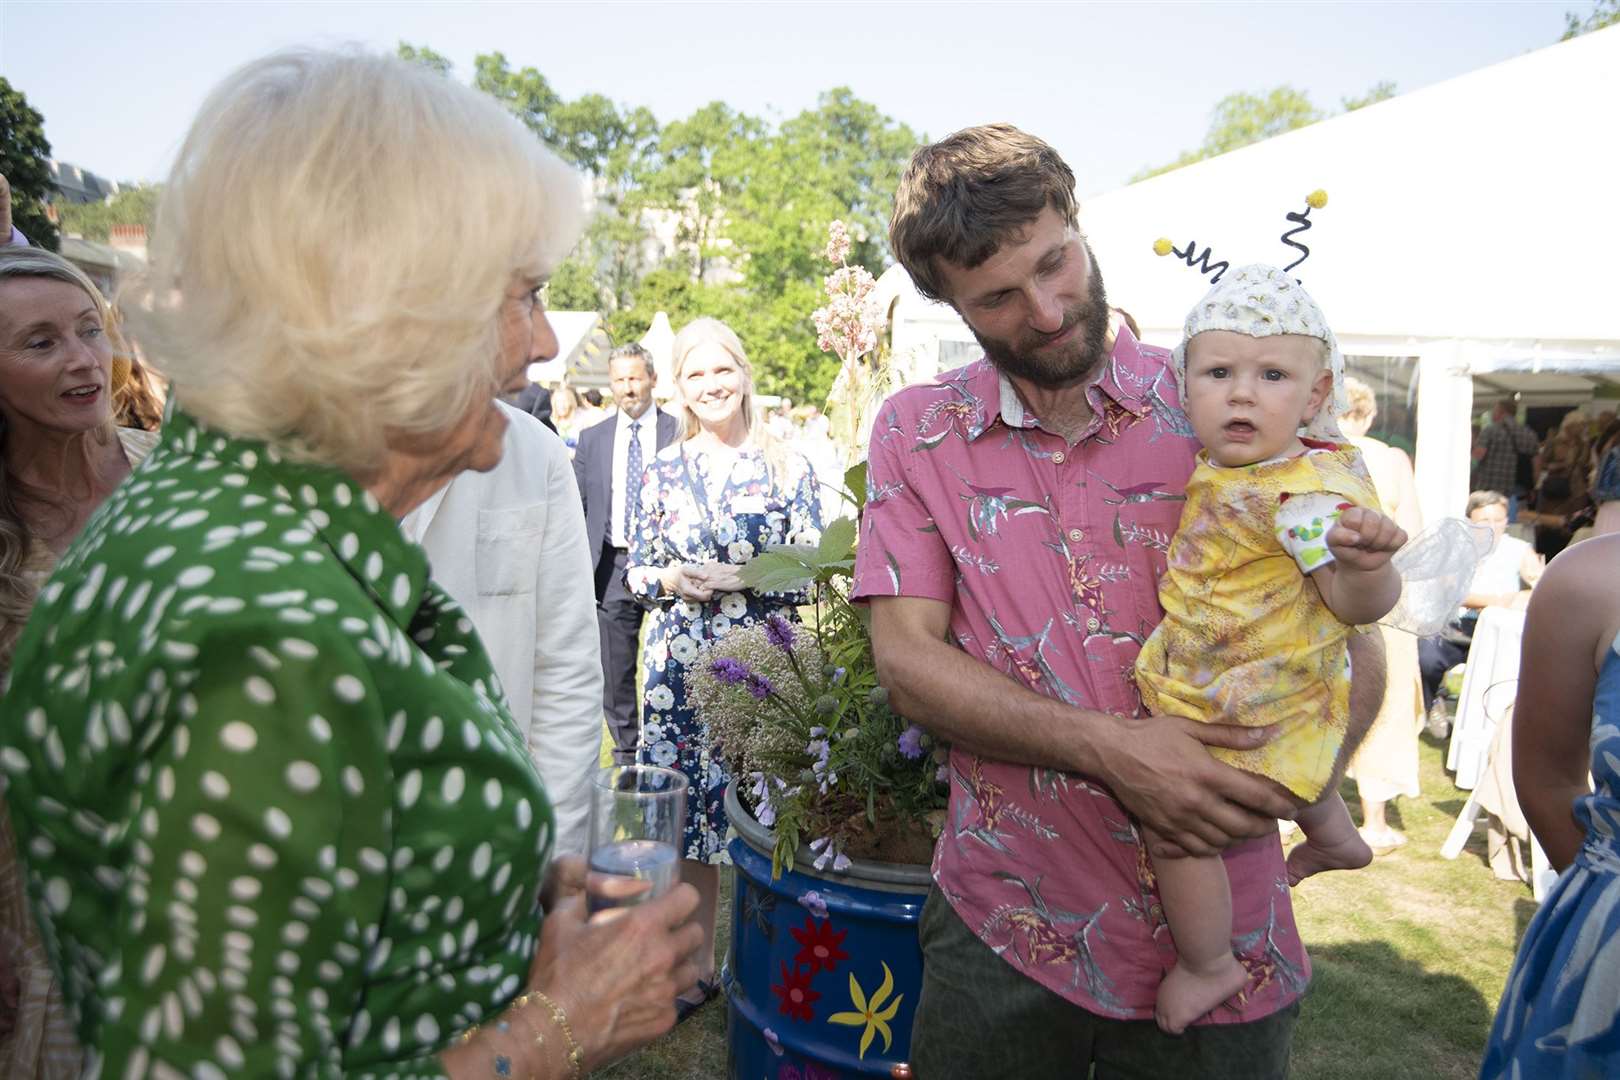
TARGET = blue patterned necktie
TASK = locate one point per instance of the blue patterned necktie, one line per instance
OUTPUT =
(632, 480)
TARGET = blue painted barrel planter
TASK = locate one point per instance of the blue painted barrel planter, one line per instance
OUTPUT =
(824, 969)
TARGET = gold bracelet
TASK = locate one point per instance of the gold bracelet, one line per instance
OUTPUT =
(575, 1056)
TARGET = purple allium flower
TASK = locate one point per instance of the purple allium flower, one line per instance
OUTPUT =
(814, 903)
(779, 632)
(729, 671)
(911, 742)
(942, 774)
(760, 686)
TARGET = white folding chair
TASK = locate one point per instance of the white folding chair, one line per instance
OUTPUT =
(1493, 658)
(1495, 704)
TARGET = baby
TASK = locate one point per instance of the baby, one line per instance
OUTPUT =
(1281, 552)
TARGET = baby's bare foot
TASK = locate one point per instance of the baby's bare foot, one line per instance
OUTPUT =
(1186, 995)
(1312, 857)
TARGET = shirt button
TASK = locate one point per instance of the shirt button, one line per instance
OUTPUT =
(1092, 625)
(1076, 535)
(1058, 457)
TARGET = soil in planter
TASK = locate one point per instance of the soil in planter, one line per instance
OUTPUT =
(895, 842)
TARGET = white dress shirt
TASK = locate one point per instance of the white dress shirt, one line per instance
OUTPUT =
(509, 546)
(648, 434)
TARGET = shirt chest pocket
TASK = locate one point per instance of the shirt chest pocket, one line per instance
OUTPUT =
(1145, 529)
(508, 549)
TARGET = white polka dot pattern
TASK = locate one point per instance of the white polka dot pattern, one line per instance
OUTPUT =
(278, 825)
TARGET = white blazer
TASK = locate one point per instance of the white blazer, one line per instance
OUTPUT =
(509, 546)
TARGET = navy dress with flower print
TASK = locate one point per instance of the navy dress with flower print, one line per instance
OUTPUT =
(695, 508)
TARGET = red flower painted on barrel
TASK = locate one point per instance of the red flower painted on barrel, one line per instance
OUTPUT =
(805, 1071)
(796, 995)
(819, 945)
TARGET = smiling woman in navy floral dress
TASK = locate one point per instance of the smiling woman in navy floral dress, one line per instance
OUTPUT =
(711, 502)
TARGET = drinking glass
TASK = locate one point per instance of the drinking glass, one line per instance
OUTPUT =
(638, 815)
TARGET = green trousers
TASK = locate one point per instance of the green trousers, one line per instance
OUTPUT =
(979, 1019)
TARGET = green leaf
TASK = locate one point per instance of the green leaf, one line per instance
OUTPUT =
(837, 542)
(855, 483)
(780, 569)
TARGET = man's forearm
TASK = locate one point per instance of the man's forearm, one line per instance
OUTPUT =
(972, 705)
(1368, 675)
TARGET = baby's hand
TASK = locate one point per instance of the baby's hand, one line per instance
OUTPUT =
(1364, 539)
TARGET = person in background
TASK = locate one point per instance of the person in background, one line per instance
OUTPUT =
(9, 233)
(1504, 579)
(1560, 1010)
(61, 454)
(1385, 766)
(566, 414)
(609, 464)
(275, 812)
(1561, 485)
(509, 546)
(1605, 484)
(535, 400)
(712, 501)
(1497, 451)
(594, 407)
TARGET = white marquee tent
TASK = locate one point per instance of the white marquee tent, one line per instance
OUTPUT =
(1472, 224)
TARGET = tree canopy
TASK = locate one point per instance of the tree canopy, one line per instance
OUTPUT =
(94, 220)
(1604, 13)
(1242, 118)
(718, 213)
(24, 162)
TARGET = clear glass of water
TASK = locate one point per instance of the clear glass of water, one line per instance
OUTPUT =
(638, 816)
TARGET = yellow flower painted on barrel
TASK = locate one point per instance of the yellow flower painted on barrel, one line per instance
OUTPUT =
(870, 1014)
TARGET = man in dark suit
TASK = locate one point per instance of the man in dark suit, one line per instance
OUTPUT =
(608, 464)
(535, 400)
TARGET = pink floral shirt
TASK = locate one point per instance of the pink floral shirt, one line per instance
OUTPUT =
(1050, 556)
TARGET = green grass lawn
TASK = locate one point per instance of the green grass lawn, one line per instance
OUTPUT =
(1410, 956)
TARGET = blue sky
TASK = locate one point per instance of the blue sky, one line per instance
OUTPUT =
(1114, 86)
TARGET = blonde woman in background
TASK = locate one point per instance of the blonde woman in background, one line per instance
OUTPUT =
(711, 501)
(1386, 765)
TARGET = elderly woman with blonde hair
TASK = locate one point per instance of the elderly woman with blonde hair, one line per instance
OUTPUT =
(711, 501)
(276, 816)
(1385, 766)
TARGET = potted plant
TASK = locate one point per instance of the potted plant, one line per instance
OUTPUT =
(837, 799)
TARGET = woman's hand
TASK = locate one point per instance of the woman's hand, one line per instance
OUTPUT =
(722, 577)
(688, 582)
(617, 975)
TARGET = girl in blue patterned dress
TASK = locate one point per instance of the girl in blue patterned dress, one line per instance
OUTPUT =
(710, 502)
(1560, 1012)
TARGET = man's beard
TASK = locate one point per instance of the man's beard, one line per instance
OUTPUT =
(1075, 361)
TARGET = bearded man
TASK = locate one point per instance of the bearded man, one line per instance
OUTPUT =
(1020, 510)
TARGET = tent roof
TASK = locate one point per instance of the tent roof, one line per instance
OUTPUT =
(582, 347)
(1480, 208)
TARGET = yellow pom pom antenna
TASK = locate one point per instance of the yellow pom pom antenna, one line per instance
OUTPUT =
(1301, 221)
(1162, 246)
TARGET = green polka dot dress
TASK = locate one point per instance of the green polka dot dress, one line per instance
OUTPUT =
(276, 817)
